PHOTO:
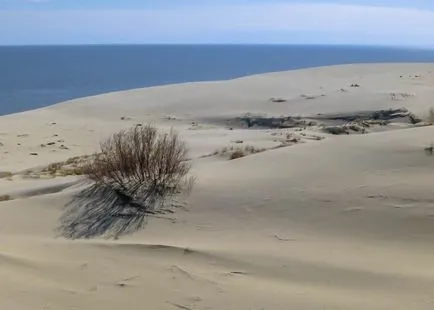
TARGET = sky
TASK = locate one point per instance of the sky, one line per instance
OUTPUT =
(367, 22)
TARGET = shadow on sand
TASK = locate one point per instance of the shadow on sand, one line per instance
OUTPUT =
(100, 211)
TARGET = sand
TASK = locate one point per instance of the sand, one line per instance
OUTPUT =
(313, 221)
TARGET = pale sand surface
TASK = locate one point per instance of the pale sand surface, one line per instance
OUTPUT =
(346, 222)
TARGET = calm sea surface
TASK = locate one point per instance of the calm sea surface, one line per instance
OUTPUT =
(37, 76)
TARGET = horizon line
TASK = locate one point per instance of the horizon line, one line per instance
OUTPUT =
(428, 47)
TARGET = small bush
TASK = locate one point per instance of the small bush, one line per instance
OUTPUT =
(141, 164)
(138, 173)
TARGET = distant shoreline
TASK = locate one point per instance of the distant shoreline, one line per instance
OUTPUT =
(39, 76)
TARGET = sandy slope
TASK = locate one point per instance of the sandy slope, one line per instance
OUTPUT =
(342, 223)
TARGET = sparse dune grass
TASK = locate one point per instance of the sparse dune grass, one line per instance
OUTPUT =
(5, 174)
(235, 152)
(5, 198)
(72, 166)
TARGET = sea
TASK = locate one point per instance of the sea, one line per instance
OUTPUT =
(36, 76)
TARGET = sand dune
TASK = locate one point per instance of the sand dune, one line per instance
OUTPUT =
(313, 221)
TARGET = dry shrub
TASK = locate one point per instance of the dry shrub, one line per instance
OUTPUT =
(141, 165)
(138, 172)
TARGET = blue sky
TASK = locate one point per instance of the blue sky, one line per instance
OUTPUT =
(384, 22)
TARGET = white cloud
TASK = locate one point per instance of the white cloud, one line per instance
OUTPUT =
(353, 22)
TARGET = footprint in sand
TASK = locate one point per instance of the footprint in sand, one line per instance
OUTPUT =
(179, 306)
(354, 209)
(126, 282)
(191, 300)
(285, 239)
(402, 206)
(237, 273)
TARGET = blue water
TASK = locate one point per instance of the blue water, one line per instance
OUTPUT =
(37, 76)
